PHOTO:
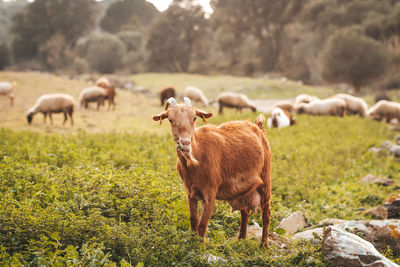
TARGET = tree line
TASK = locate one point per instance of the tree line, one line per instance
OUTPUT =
(316, 41)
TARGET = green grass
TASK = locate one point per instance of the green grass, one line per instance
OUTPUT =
(117, 197)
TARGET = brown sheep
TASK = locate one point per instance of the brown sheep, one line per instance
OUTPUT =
(385, 110)
(230, 162)
(110, 95)
(166, 93)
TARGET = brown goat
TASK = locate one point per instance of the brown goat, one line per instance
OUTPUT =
(166, 93)
(230, 162)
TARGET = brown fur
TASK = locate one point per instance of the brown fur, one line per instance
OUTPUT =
(166, 93)
(233, 164)
(285, 106)
(290, 116)
(110, 95)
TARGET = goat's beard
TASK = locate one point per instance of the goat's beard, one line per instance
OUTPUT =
(190, 160)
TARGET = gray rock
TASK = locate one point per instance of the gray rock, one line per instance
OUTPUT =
(214, 259)
(293, 222)
(314, 234)
(374, 150)
(393, 207)
(273, 238)
(371, 179)
(341, 248)
(378, 212)
(381, 233)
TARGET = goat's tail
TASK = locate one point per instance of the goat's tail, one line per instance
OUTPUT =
(260, 121)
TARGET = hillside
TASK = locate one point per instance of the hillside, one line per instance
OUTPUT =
(106, 190)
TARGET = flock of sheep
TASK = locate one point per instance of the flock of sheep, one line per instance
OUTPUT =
(64, 103)
(281, 114)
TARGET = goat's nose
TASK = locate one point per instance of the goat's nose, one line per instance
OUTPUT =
(185, 142)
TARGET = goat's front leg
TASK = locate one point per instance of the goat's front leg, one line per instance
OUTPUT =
(245, 215)
(208, 207)
(194, 218)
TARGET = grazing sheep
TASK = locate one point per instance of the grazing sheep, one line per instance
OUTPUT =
(103, 82)
(234, 100)
(280, 118)
(304, 98)
(166, 93)
(92, 94)
(230, 162)
(354, 105)
(385, 110)
(330, 106)
(53, 103)
(7, 89)
(195, 95)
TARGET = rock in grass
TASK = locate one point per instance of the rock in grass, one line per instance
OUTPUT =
(293, 222)
(392, 148)
(341, 248)
(381, 233)
(214, 259)
(378, 213)
(314, 234)
(374, 150)
(392, 206)
(371, 179)
(273, 238)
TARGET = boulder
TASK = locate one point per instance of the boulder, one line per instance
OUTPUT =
(293, 222)
(378, 213)
(329, 222)
(341, 248)
(371, 179)
(273, 238)
(392, 206)
(392, 148)
(313, 234)
(381, 233)
(374, 150)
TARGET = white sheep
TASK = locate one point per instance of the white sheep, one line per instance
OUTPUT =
(195, 95)
(354, 105)
(330, 106)
(92, 94)
(234, 100)
(280, 118)
(53, 103)
(304, 98)
(385, 110)
(7, 89)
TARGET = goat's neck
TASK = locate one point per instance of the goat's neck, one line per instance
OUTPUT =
(189, 161)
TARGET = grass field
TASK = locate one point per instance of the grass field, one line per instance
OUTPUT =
(106, 191)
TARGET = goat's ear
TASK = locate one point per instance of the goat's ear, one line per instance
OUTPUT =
(161, 116)
(203, 114)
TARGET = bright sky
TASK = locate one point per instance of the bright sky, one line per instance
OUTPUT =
(163, 4)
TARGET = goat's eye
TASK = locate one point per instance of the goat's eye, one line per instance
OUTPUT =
(170, 121)
(194, 118)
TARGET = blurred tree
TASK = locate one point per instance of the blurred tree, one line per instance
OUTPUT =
(265, 19)
(173, 38)
(131, 39)
(5, 56)
(40, 21)
(128, 14)
(7, 11)
(105, 53)
(353, 58)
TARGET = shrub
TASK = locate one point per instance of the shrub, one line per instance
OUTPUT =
(105, 53)
(353, 58)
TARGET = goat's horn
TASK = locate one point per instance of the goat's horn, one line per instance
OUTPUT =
(171, 102)
(187, 101)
